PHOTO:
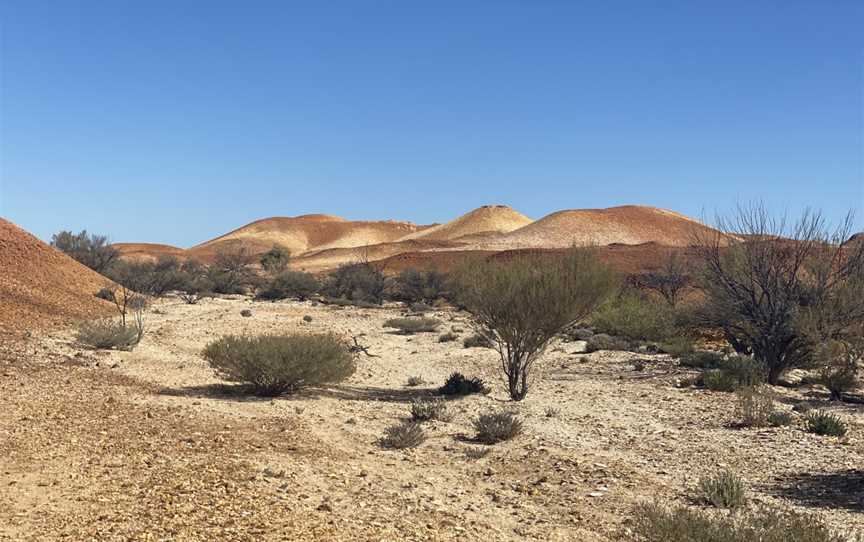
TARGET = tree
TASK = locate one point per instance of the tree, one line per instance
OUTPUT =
(275, 260)
(91, 250)
(775, 290)
(231, 272)
(296, 284)
(193, 282)
(415, 286)
(670, 281)
(359, 281)
(523, 303)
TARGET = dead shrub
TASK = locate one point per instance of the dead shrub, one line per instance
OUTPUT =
(429, 409)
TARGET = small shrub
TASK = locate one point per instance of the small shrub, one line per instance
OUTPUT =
(476, 341)
(802, 407)
(412, 285)
(275, 260)
(734, 373)
(552, 412)
(755, 406)
(723, 490)
(246, 313)
(356, 282)
(477, 453)
(702, 360)
(429, 409)
(105, 293)
(636, 318)
(656, 523)
(602, 341)
(307, 319)
(403, 435)
(839, 379)
(677, 347)
(409, 326)
(458, 384)
(419, 307)
(447, 337)
(497, 427)
(825, 423)
(276, 364)
(779, 418)
(415, 381)
(108, 334)
(290, 284)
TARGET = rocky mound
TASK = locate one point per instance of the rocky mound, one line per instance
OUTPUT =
(41, 286)
(489, 219)
(626, 225)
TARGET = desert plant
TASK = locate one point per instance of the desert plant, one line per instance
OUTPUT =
(275, 260)
(779, 418)
(521, 306)
(755, 406)
(477, 341)
(447, 337)
(108, 334)
(360, 281)
(246, 313)
(407, 434)
(415, 381)
(409, 326)
(670, 281)
(677, 347)
(723, 490)
(701, 359)
(92, 250)
(602, 341)
(656, 523)
(776, 292)
(636, 318)
(231, 271)
(429, 409)
(105, 293)
(734, 373)
(840, 359)
(413, 286)
(458, 384)
(290, 284)
(476, 453)
(497, 427)
(193, 283)
(307, 318)
(825, 423)
(276, 364)
(419, 308)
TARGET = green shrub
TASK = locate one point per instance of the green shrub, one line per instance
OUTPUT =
(413, 286)
(755, 406)
(497, 427)
(447, 337)
(429, 409)
(458, 384)
(839, 378)
(723, 490)
(91, 250)
(734, 373)
(409, 326)
(356, 282)
(276, 364)
(275, 260)
(108, 334)
(656, 523)
(635, 318)
(105, 293)
(825, 423)
(477, 341)
(677, 347)
(290, 284)
(246, 313)
(702, 360)
(779, 418)
(408, 434)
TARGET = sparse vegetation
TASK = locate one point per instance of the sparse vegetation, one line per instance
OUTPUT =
(413, 286)
(277, 364)
(636, 318)
(407, 434)
(497, 427)
(477, 341)
(307, 318)
(409, 326)
(298, 285)
(825, 423)
(193, 282)
(734, 373)
(522, 306)
(429, 409)
(670, 281)
(246, 313)
(356, 282)
(458, 384)
(602, 341)
(723, 490)
(755, 406)
(107, 334)
(275, 260)
(656, 523)
(231, 272)
(779, 418)
(89, 249)
(447, 337)
(414, 381)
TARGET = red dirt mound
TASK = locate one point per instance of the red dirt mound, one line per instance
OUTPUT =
(148, 251)
(489, 219)
(41, 286)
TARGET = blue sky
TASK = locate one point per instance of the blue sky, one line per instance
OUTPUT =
(177, 121)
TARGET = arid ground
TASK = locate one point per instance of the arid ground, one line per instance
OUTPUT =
(147, 445)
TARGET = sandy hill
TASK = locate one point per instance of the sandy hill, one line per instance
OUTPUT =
(148, 251)
(626, 225)
(489, 219)
(41, 286)
(304, 233)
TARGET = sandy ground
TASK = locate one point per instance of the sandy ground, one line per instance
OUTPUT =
(141, 445)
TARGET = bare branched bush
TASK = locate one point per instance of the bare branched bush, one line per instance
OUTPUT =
(91, 250)
(775, 290)
(193, 283)
(277, 364)
(670, 281)
(414, 286)
(275, 260)
(521, 306)
(231, 271)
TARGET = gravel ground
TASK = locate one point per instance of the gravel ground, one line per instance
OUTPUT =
(146, 445)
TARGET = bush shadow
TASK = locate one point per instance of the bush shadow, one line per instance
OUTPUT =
(842, 489)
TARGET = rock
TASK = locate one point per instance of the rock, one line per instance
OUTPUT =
(580, 347)
(792, 378)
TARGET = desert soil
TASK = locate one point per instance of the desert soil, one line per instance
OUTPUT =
(146, 445)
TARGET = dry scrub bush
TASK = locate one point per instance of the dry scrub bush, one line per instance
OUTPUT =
(670, 281)
(777, 292)
(91, 250)
(290, 284)
(409, 326)
(447, 337)
(723, 490)
(825, 423)
(356, 282)
(521, 305)
(656, 523)
(413, 286)
(477, 341)
(429, 409)
(108, 334)
(458, 384)
(635, 317)
(275, 260)
(755, 406)
(415, 381)
(276, 364)
(497, 427)
(734, 373)
(231, 271)
(407, 434)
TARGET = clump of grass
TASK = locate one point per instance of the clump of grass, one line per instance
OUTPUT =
(447, 337)
(477, 453)
(429, 409)
(476, 341)
(403, 435)
(459, 384)
(409, 326)
(825, 423)
(552, 412)
(497, 427)
(734, 373)
(415, 381)
(755, 406)
(246, 313)
(779, 418)
(723, 490)
(108, 334)
(656, 523)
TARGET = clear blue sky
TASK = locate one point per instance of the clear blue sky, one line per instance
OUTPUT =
(175, 121)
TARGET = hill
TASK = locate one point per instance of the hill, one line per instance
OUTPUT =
(489, 219)
(41, 286)
(148, 251)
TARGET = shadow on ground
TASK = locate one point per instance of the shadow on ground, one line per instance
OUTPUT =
(243, 393)
(843, 489)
